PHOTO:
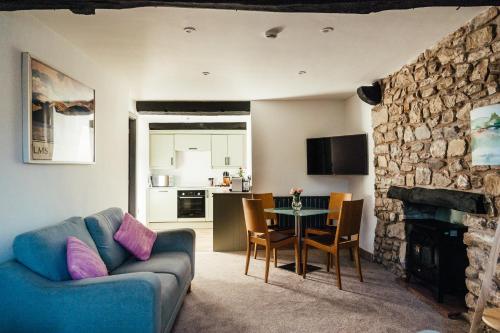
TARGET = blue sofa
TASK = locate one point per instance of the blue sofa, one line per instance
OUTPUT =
(38, 295)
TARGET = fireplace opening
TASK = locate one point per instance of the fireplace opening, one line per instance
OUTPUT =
(435, 255)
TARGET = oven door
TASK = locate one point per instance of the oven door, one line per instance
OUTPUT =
(191, 206)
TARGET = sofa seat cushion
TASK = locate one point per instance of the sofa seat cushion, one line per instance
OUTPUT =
(44, 250)
(176, 263)
(102, 226)
(170, 294)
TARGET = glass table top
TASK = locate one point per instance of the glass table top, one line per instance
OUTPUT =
(303, 212)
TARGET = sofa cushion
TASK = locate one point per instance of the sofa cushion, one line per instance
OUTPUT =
(102, 226)
(83, 262)
(176, 263)
(44, 250)
(135, 237)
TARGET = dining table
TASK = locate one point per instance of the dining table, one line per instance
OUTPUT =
(298, 214)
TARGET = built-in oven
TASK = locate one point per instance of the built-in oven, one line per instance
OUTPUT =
(191, 205)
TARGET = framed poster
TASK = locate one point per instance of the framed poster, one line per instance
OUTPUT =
(485, 133)
(58, 116)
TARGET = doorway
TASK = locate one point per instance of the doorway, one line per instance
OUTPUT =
(132, 206)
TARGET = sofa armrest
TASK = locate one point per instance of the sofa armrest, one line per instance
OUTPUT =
(117, 303)
(177, 240)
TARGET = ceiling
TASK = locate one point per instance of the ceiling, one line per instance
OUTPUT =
(160, 61)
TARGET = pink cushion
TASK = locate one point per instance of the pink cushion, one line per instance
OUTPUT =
(82, 261)
(135, 237)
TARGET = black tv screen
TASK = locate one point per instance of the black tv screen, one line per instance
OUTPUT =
(338, 155)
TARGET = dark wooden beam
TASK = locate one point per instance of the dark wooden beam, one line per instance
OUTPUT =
(88, 7)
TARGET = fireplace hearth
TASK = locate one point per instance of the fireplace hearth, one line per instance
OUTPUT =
(436, 256)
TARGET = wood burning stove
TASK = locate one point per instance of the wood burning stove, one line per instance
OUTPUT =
(436, 256)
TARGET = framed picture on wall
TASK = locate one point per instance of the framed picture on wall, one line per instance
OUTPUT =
(485, 133)
(58, 116)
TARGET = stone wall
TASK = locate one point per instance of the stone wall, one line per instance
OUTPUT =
(422, 138)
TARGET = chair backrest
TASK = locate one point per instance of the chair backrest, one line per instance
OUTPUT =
(254, 215)
(350, 219)
(267, 202)
(335, 204)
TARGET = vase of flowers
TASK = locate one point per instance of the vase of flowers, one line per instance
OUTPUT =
(295, 193)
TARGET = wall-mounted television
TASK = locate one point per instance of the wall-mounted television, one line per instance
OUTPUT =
(338, 155)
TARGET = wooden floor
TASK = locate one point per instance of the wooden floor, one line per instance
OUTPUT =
(204, 236)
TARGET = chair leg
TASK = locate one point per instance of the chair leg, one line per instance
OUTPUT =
(337, 267)
(255, 251)
(297, 262)
(351, 254)
(249, 244)
(268, 258)
(328, 261)
(275, 255)
(358, 263)
(304, 266)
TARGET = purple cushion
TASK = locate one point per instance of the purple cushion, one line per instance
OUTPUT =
(135, 237)
(82, 261)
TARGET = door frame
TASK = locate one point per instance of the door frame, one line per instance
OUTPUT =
(132, 164)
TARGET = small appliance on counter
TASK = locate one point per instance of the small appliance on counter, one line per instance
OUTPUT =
(226, 180)
(161, 180)
(236, 184)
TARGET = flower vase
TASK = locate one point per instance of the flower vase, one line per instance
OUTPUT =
(296, 203)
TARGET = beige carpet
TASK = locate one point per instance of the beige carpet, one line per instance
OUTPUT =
(223, 299)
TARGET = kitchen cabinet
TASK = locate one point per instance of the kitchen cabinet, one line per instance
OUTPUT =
(161, 151)
(228, 150)
(185, 142)
(162, 205)
(210, 205)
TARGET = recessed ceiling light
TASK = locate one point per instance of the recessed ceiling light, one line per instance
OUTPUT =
(302, 72)
(189, 29)
(205, 73)
(327, 30)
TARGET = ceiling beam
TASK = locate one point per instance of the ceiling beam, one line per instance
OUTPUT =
(88, 7)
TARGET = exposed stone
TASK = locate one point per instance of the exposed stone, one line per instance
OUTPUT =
(423, 176)
(480, 71)
(445, 55)
(455, 166)
(398, 180)
(450, 132)
(476, 181)
(436, 105)
(456, 147)
(479, 38)
(415, 113)
(396, 230)
(445, 83)
(438, 148)
(390, 136)
(436, 164)
(447, 117)
(463, 182)
(410, 180)
(381, 162)
(440, 179)
(417, 146)
(464, 112)
(484, 17)
(408, 134)
(449, 100)
(420, 73)
(393, 167)
(380, 117)
(463, 69)
(382, 149)
(492, 184)
(406, 167)
(481, 53)
(422, 132)
(428, 92)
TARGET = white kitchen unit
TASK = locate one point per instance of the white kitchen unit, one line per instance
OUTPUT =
(228, 150)
(161, 151)
(210, 204)
(162, 204)
(197, 142)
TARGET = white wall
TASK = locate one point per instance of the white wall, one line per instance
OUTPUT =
(358, 120)
(279, 133)
(142, 160)
(33, 196)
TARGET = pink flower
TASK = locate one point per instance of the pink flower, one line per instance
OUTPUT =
(296, 191)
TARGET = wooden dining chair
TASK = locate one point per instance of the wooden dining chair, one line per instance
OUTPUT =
(268, 202)
(346, 237)
(259, 233)
(334, 206)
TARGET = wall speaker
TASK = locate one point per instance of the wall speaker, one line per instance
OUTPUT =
(370, 94)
